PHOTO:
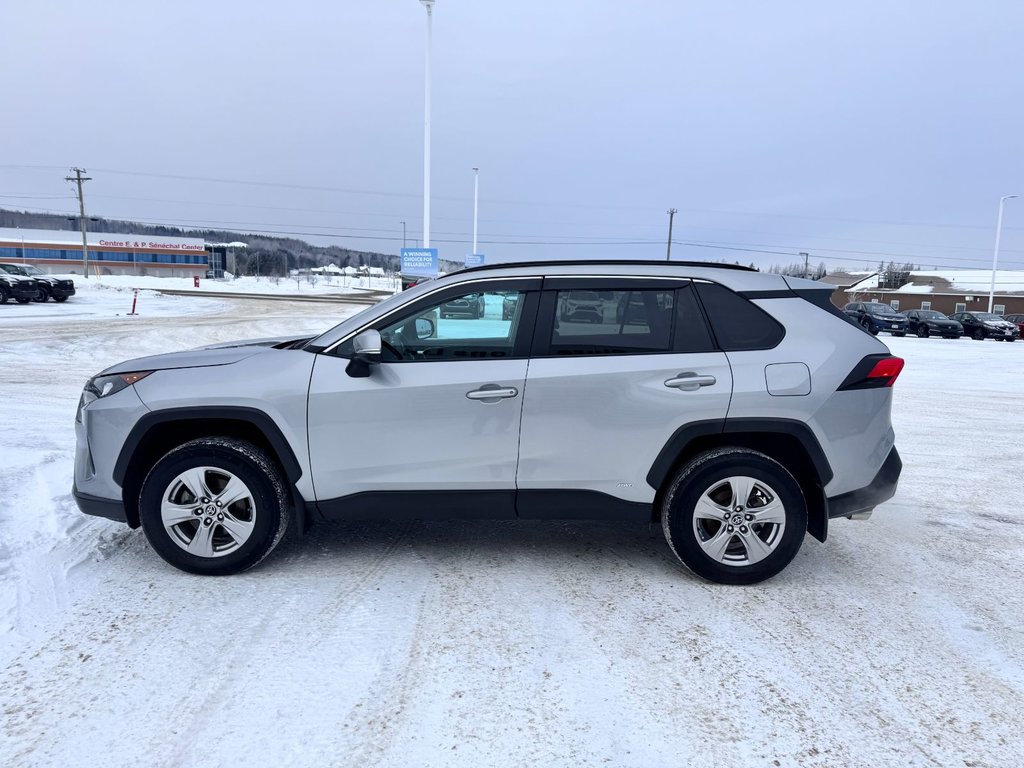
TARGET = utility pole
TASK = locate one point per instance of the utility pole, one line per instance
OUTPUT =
(671, 215)
(78, 178)
(806, 257)
(403, 234)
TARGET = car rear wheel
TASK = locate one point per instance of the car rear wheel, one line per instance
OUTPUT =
(978, 335)
(734, 516)
(60, 299)
(23, 301)
(922, 331)
(214, 506)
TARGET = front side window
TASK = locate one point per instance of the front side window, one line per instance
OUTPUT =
(470, 326)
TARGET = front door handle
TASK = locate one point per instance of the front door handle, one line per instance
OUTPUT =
(688, 381)
(492, 393)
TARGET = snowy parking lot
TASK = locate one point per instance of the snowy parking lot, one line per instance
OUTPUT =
(899, 641)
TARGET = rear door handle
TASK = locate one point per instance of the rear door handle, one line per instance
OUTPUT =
(492, 393)
(688, 381)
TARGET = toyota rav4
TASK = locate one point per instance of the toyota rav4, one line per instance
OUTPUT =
(740, 410)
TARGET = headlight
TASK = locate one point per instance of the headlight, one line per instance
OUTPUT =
(101, 386)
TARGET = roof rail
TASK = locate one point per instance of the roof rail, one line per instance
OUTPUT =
(603, 262)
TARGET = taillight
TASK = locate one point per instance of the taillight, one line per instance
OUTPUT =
(873, 372)
(887, 369)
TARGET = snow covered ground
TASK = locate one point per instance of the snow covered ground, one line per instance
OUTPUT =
(900, 641)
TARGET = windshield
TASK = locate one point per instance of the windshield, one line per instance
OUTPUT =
(13, 269)
(879, 309)
(931, 314)
(987, 316)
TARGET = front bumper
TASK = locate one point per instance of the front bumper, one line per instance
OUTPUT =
(23, 290)
(887, 325)
(61, 291)
(112, 509)
(879, 490)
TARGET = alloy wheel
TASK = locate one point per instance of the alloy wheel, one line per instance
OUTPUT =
(208, 512)
(739, 521)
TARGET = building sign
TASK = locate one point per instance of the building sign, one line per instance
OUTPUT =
(163, 244)
(66, 238)
(474, 259)
(419, 262)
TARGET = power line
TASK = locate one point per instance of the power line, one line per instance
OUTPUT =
(763, 248)
(497, 201)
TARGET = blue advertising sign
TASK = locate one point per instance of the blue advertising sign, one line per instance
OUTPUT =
(419, 262)
(474, 259)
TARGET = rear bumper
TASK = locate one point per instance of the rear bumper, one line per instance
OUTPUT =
(879, 490)
(112, 509)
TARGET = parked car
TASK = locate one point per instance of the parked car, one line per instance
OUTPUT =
(928, 322)
(471, 306)
(742, 414)
(1017, 320)
(985, 325)
(509, 303)
(49, 286)
(581, 306)
(21, 289)
(873, 317)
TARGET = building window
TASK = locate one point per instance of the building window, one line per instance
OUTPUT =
(895, 304)
(999, 309)
(960, 307)
(926, 305)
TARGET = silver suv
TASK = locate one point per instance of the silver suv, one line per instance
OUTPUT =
(740, 410)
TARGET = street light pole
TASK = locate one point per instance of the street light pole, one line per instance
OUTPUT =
(403, 234)
(995, 254)
(476, 203)
(429, 5)
(668, 250)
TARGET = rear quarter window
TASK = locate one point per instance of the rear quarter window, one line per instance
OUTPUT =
(737, 323)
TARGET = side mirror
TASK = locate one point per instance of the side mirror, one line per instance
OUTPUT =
(365, 353)
(424, 328)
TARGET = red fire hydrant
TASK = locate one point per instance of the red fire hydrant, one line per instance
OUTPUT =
(195, 281)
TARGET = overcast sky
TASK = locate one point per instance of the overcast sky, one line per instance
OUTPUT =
(856, 131)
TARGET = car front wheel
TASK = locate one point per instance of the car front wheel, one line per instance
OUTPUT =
(734, 516)
(214, 506)
(922, 331)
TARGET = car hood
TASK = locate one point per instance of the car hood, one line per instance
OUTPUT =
(193, 358)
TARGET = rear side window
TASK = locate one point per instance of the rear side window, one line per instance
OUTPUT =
(737, 323)
(628, 322)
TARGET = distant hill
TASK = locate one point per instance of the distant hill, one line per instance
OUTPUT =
(276, 254)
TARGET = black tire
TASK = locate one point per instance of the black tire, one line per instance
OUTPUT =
(866, 325)
(60, 299)
(41, 296)
(978, 334)
(23, 301)
(4, 295)
(710, 471)
(269, 511)
(899, 333)
(922, 331)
